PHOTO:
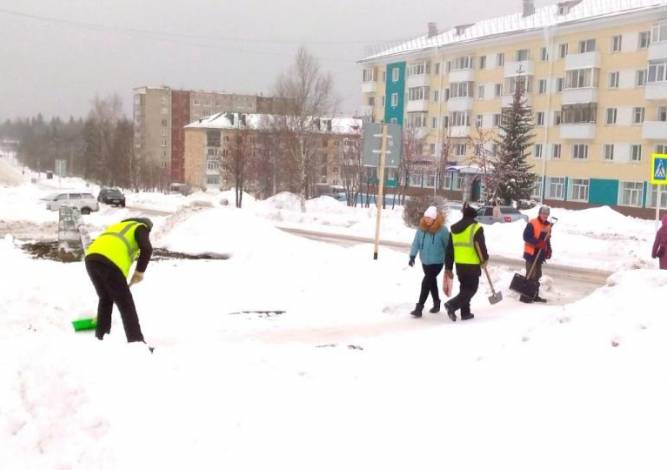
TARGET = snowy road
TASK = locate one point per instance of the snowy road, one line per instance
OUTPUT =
(573, 283)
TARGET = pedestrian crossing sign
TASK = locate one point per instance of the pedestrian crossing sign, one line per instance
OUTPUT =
(659, 168)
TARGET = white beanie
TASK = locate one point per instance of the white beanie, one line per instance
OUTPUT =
(431, 212)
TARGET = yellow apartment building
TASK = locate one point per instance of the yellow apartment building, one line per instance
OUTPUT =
(596, 78)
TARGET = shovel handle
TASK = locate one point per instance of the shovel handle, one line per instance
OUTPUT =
(488, 278)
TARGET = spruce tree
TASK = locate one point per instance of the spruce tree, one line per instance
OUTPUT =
(511, 177)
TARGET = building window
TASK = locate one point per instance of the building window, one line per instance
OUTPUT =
(418, 93)
(479, 119)
(579, 190)
(662, 113)
(460, 90)
(557, 118)
(382, 101)
(631, 194)
(659, 32)
(614, 79)
(638, 115)
(417, 69)
(499, 90)
(457, 182)
(368, 75)
(540, 118)
(165, 123)
(579, 113)
(579, 152)
(537, 189)
(459, 150)
(644, 39)
(657, 72)
(497, 120)
(437, 68)
(616, 43)
(500, 59)
(586, 46)
(394, 99)
(434, 123)
(416, 179)
(445, 122)
(636, 154)
(416, 120)
(212, 179)
(611, 116)
(482, 62)
(538, 151)
(652, 196)
(562, 50)
(555, 152)
(480, 92)
(544, 54)
(609, 152)
(640, 78)
(542, 86)
(459, 118)
(463, 63)
(394, 120)
(212, 165)
(395, 74)
(556, 188)
(560, 84)
(582, 78)
(432, 149)
(522, 54)
(436, 95)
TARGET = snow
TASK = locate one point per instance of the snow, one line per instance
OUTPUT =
(345, 378)
(544, 18)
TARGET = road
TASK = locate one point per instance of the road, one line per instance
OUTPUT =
(573, 283)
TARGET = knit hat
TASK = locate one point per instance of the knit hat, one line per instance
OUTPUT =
(469, 211)
(546, 210)
(431, 212)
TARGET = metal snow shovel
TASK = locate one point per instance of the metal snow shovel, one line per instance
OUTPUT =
(524, 285)
(495, 297)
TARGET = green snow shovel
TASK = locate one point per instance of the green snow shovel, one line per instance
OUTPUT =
(84, 324)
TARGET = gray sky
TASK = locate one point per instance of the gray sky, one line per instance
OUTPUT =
(57, 67)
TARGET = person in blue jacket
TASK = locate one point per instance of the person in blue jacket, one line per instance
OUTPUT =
(430, 242)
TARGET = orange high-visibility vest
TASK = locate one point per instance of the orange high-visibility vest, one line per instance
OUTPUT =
(529, 248)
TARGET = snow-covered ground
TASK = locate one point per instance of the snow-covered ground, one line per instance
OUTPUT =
(345, 378)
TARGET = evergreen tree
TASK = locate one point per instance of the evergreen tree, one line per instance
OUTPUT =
(511, 178)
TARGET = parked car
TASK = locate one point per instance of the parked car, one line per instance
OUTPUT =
(180, 188)
(508, 214)
(112, 196)
(85, 202)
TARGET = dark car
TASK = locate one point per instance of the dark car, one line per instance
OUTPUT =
(111, 196)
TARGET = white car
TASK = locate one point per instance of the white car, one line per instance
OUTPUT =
(85, 202)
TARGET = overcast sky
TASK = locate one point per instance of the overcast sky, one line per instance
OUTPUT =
(63, 53)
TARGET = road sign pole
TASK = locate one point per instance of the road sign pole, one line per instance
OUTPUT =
(657, 207)
(380, 198)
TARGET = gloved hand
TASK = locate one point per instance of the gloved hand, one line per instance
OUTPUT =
(137, 277)
(541, 245)
(412, 261)
(449, 274)
(548, 254)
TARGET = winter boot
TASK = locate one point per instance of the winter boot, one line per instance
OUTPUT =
(417, 312)
(525, 300)
(451, 313)
(540, 299)
(467, 316)
(436, 307)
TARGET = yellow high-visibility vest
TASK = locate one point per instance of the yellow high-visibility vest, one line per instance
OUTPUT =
(464, 246)
(118, 244)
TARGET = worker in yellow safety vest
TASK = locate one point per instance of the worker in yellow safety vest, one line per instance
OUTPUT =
(467, 249)
(109, 259)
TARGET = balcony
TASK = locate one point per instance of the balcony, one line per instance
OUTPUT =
(579, 96)
(459, 131)
(369, 87)
(515, 69)
(654, 130)
(657, 50)
(417, 80)
(417, 105)
(421, 132)
(586, 60)
(507, 101)
(655, 91)
(466, 75)
(460, 104)
(578, 131)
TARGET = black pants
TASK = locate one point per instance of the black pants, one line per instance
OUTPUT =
(468, 285)
(430, 283)
(537, 271)
(111, 287)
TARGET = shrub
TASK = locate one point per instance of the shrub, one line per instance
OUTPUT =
(414, 208)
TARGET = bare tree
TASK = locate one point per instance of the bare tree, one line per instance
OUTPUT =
(308, 96)
(238, 163)
(412, 149)
(351, 168)
(482, 156)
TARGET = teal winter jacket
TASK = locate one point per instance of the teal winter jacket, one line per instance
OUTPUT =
(431, 242)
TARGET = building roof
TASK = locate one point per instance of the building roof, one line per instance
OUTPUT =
(544, 17)
(339, 125)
